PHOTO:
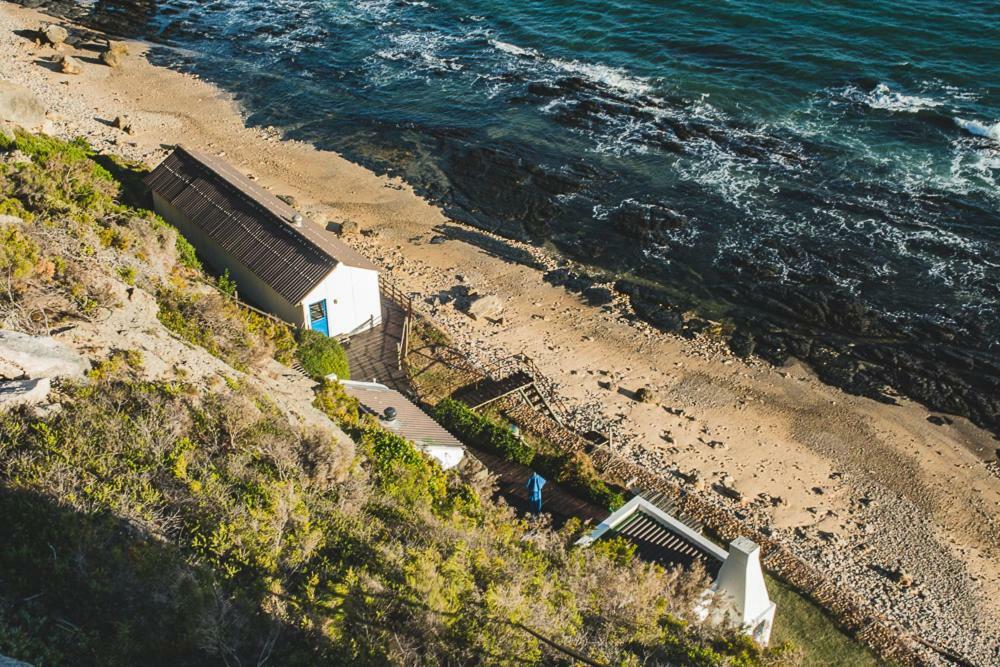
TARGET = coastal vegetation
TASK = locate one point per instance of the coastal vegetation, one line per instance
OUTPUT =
(574, 471)
(159, 520)
(321, 355)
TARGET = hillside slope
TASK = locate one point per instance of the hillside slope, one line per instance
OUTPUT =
(192, 501)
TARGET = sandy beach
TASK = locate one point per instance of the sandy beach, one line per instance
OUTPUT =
(854, 486)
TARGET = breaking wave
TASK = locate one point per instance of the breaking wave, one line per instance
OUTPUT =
(980, 129)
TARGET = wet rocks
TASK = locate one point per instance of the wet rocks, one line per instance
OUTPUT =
(20, 106)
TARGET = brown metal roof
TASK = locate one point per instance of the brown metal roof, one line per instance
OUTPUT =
(411, 422)
(251, 224)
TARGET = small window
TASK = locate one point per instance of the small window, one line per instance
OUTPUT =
(317, 311)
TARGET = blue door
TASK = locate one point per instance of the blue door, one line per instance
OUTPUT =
(317, 318)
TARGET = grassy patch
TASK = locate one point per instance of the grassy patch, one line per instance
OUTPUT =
(820, 642)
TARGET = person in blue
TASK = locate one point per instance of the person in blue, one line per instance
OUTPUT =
(534, 485)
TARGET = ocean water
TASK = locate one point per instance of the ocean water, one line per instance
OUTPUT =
(823, 175)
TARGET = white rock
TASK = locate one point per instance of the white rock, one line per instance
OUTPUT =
(20, 106)
(56, 34)
(24, 392)
(486, 307)
(23, 356)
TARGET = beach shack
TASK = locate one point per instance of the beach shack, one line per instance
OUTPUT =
(737, 595)
(280, 262)
(403, 417)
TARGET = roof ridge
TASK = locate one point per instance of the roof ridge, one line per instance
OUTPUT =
(240, 190)
(282, 258)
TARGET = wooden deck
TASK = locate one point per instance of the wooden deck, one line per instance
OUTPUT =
(512, 479)
(374, 354)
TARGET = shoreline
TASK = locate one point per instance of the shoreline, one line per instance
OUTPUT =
(782, 432)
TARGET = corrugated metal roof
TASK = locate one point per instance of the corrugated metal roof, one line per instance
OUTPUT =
(411, 422)
(250, 223)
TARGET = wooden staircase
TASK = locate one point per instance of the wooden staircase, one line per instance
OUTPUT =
(507, 378)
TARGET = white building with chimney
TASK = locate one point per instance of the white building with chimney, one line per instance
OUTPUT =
(738, 594)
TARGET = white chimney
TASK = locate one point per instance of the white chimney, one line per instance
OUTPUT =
(741, 586)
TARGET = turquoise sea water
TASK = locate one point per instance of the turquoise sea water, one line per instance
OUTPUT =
(825, 175)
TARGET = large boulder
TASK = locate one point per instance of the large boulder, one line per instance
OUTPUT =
(24, 392)
(120, 48)
(24, 356)
(55, 34)
(486, 307)
(20, 106)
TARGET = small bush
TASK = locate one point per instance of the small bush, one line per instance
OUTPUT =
(482, 432)
(18, 253)
(321, 355)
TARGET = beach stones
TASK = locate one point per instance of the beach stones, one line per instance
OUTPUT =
(124, 124)
(70, 65)
(55, 34)
(20, 106)
(115, 54)
(349, 227)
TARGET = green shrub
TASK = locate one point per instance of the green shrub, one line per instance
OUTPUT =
(18, 253)
(12, 206)
(186, 253)
(575, 472)
(226, 284)
(482, 432)
(321, 355)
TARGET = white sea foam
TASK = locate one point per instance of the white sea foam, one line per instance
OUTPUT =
(609, 76)
(613, 77)
(980, 129)
(513, 49)
(882, 97)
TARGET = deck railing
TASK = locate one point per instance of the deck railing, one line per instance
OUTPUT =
(389, 290)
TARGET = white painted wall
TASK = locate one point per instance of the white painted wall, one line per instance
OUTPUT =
(352, 299)
(448, 457)
(741, 585)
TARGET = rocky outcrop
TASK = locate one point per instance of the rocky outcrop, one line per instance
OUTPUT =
(24, 392)
(20, 106)
(24, 356)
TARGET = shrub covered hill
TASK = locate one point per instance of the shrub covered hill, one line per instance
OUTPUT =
(187, 502)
